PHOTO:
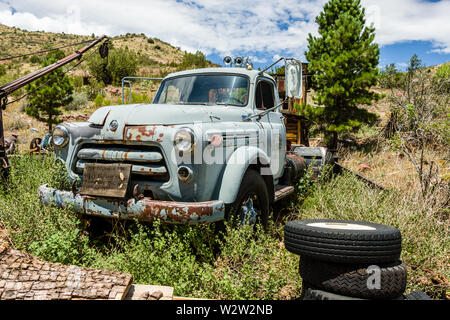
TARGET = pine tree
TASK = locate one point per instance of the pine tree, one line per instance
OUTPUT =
(46, 99)
(343, 61)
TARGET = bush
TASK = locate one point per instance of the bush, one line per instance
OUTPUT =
(193, 60)
(80, 99)
(94, 88)
(442, 78)
(98, 101)
(2, 70)
(50, 233)
(150, 40)
(120, 63)
(77, 82)
(35, 59)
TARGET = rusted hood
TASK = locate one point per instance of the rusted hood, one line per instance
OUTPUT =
(143, 114)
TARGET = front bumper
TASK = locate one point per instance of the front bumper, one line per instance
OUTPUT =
(142, 210)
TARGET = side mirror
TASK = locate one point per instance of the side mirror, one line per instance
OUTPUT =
(294, 81)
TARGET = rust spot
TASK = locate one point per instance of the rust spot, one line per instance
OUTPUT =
(161, 135)
(184, 212)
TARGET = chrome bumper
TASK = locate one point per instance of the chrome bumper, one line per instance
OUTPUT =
(142, 210)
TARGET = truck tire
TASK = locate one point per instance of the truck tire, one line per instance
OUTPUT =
(314, 294)
(343, 241)
(351, 280)
(417, 295)
(252, 201)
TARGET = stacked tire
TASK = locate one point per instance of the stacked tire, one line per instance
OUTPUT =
(347, 260)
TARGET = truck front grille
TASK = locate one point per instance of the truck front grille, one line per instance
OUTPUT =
(147, 162)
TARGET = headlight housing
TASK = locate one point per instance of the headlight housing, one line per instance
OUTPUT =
(60, 136)
(184, 140)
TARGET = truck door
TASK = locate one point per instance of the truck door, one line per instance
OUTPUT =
(272, 126)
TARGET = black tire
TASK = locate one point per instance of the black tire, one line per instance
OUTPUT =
(417, 295)
(252, 185)
(314, 294)
(351, 280)
(333, 241)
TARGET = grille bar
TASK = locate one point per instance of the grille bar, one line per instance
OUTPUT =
(145, 170)
(119, 154)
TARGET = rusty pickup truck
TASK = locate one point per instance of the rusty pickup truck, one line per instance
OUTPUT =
(211, 145)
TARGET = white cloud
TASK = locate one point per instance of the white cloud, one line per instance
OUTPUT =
(406, 20)
(232, 27)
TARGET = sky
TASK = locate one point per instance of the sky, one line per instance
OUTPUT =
(263, 30)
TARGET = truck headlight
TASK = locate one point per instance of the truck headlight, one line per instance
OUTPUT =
(60, 136)
(184, 140)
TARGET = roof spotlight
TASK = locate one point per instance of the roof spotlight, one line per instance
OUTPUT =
(238, 61)
(227, 60)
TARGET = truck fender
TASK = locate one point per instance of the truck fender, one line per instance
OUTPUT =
(243, 158)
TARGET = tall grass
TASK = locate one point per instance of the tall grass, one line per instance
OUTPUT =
(243, 264)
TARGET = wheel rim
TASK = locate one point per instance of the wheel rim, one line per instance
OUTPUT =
(249, 210)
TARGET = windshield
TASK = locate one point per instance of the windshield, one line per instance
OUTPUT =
(204, 90)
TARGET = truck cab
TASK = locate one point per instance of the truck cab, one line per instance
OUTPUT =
(211, 145)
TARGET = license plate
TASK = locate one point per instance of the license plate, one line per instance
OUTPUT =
(106, 180)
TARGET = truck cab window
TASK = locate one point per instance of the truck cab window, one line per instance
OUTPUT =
(264, 96)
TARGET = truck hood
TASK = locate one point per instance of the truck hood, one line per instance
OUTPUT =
(165, 114)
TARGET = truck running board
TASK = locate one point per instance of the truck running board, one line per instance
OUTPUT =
(282, 192)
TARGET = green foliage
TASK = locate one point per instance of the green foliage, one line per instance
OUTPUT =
(390, 77)
(343, 61)
(242, 264)
(35, 59)
(193, 61)
(45, 99)
(77, 82)
(98, 101)
(2, 70)
(119, 63)
(150, 40)
(94, 88)
(50, 233)
(79, 100)
(442, 77)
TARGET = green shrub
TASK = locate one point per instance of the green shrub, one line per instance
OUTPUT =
(80, 99)
(50, 233)
(120, 63)
(98, 101)
(442, 78)
(2, 70)
(150, 40)
(94, 88)
(35, 59)
(77, 82)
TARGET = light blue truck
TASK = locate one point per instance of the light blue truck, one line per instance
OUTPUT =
(211, 145)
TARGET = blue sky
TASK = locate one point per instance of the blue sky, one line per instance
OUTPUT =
(261, 29)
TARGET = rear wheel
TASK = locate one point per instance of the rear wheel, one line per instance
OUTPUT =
(252, 202)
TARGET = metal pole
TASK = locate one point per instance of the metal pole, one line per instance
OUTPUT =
(124, 80)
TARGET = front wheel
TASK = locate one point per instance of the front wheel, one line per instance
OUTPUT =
(252, 201)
